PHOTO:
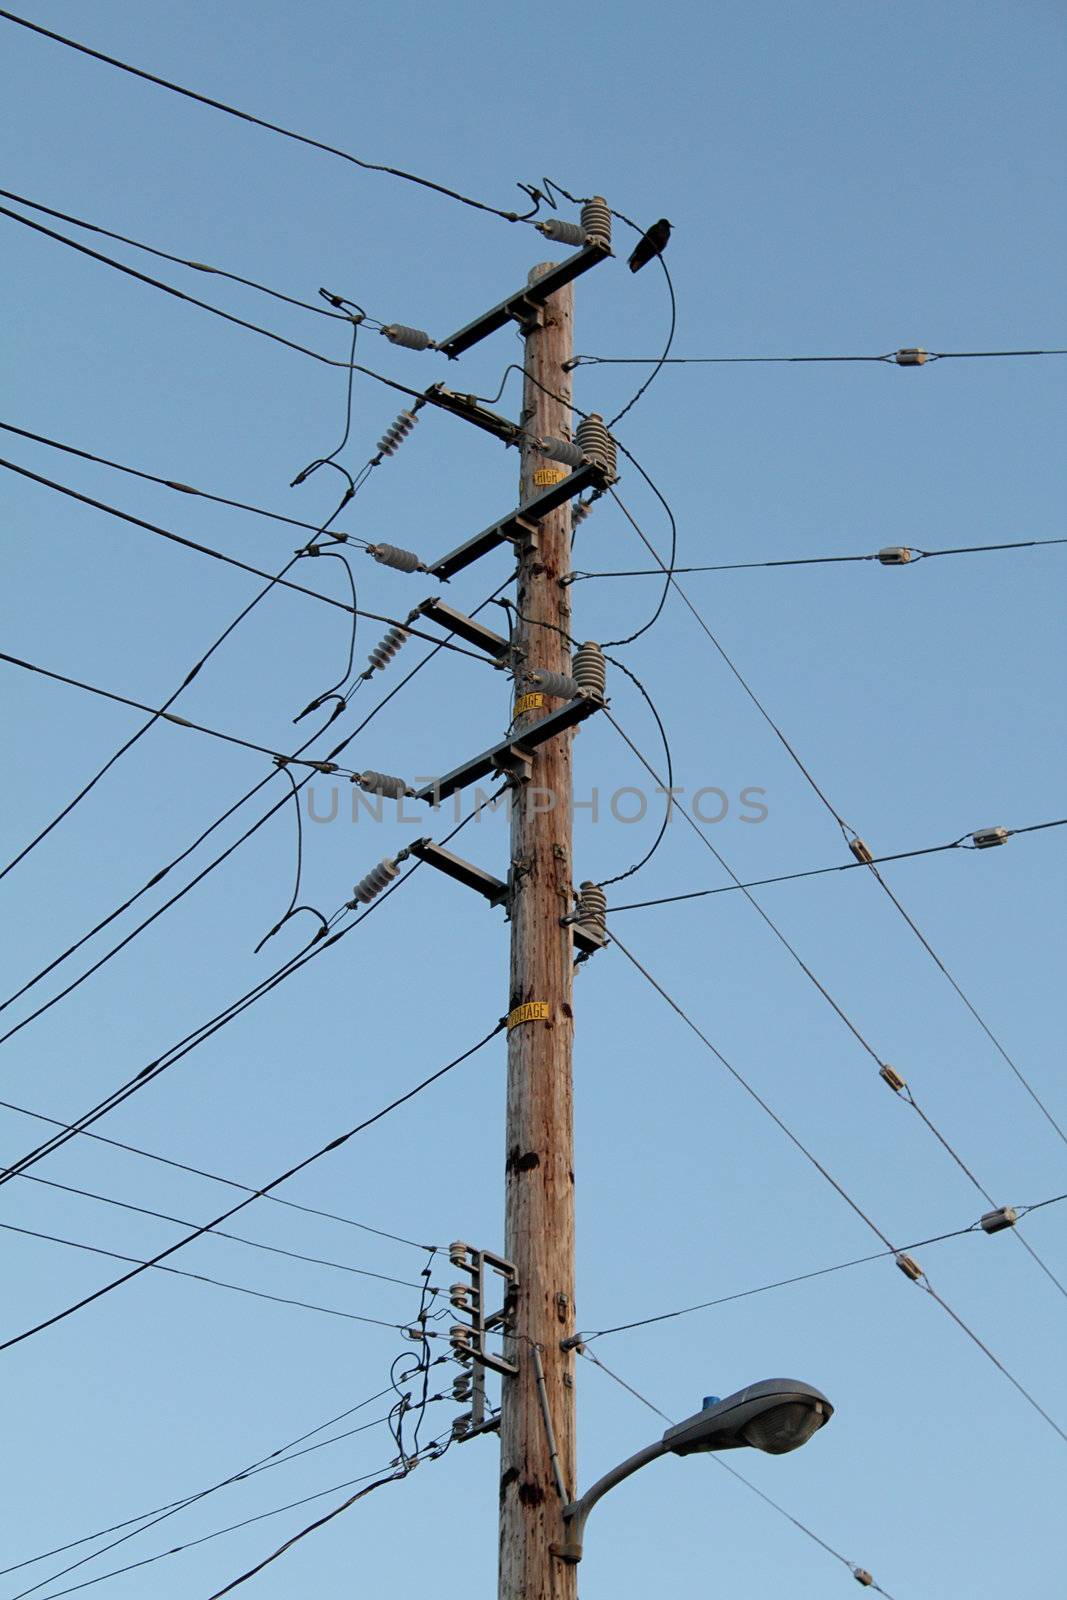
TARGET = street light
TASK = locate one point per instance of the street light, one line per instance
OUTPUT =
(777, 1415)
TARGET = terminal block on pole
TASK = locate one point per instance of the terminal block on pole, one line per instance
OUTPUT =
(469, 1338)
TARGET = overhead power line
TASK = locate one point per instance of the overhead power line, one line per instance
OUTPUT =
(321, 309)
(893, 357)
(920, 1278)
(213, 1177)
(911, 553)
(849, 833)
(718, 1461)
(802, 1277)
(278, 1457)
(199, 1277)
(267, 1188)
(221, 1233)
(172, 483)
(962, 843)
(271, 127)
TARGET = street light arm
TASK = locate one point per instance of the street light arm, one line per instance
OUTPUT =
(574, 1515)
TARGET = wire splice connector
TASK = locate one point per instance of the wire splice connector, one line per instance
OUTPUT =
(895, 555)
(596, 219)
(588, 669)
(384, 652)
(397, 432)
(997, 1221)
(409, 338)
(595, 442)
(891, 1076)
(861, 1575)
(377, 879)
(561, 232)
(909, 1267)
(911, 356)
(861, 851)
(986, 838)
(391, 555)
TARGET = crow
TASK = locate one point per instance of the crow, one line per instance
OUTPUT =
(650, 244)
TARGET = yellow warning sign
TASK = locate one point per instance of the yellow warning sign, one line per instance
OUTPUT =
(528, 702)
(532, 1011)
(544, 476)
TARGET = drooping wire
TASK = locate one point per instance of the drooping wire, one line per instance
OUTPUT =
(224, 855)
(620, 877)
(271, 127)
(658, 367)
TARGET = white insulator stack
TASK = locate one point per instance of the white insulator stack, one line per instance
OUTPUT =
(377, 879)
(596, 219)
(561, 232)
(396, 433)
(383, 653)
(391, 555)
(588, 669)
(580, 509)
(596, 443)
(409, 338)
(561, 450)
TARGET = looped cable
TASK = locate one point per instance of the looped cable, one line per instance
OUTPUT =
(320, 933)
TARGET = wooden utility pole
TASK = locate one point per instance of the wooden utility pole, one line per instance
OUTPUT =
(539, 1192)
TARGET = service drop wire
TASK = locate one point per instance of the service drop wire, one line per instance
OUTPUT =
(283, 1177)
(129, 743)
(219, 859)
(204, 1031)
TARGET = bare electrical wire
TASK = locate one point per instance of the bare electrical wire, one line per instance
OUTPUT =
(923, 1281)
(717, 1461)
(267, 1188)
(271, 127)
(915, 554)
(706, 361)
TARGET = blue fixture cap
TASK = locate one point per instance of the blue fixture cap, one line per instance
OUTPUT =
(710, 1400)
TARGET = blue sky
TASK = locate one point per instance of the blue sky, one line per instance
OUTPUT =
(842, 179)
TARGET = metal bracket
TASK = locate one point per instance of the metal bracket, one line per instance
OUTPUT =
(527, 301)
(476, 633)
(590, 475)
(499, 755)
(477, 1263)
(497, 893)
(514, 762)
(466, 407)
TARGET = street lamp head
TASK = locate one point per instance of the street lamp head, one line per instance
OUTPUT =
(777, 1416)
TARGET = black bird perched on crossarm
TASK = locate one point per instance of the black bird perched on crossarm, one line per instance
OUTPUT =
(650, 244)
